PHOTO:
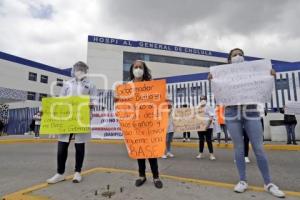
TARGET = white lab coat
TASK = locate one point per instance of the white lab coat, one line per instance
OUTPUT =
(76, 88)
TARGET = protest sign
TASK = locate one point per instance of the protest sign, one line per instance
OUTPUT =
(189, 119)
(292, 108)
(142, 113)
(242, 83)
(65, 115)
(105, 125)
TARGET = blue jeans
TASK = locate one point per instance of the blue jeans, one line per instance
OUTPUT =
(290, 130)
(247, 117)
(169, 141)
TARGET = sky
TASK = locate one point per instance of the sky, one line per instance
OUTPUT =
(55, 32)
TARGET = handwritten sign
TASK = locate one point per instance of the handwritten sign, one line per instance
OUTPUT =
(143, 116)
(65, 115)
(292, 108)
(189, 119)
(242, 83)
(105, 125)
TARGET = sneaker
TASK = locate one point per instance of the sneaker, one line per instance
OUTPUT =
(169, 154)
(164, 157)
(274, 190)
(188, 140)
(241, 187)
(247, 160)
(183, 140)
(212, 157)
(199, 156)
(157, 183)
(139, 182)
(56, 178)
(77, 177)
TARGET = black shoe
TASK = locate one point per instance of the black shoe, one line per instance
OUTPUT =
(289, 143)
(139, 182)
(157, 183)
(295, 143)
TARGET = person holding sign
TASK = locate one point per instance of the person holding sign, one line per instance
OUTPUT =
(77, 86)
(139, 72)
(170, 133)
(207, 134)
(239, 117)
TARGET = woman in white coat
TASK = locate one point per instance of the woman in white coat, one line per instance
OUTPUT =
(78, 85)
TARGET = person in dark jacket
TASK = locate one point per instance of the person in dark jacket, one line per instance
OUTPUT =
(290, 123)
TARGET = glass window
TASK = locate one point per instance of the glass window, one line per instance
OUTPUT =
(32, 76)
(41, 96)
(59, 82)
(44, 79)
(31, 96)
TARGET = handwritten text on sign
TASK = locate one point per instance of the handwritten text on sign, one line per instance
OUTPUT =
(143, 117)
(65, 115)
(242, 83)
(189, 119)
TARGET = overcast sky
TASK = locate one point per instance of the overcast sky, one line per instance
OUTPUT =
(55, 32)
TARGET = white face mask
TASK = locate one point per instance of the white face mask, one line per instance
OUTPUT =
(79, 74)
(203, 102)
(237, 59)
(138, 73)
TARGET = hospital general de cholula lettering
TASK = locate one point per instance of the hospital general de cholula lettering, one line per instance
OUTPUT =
(149, 45)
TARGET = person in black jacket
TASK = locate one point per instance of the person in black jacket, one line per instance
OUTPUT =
(290, 123)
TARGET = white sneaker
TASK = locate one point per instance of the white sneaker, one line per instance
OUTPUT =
(56, 178)
(199, 156)
(274, 190)
(188, 140)
(241, 187)
(169, 154)
(77, 177)
(164, 157)
(183, 140)
(212, 157)
(247, 160)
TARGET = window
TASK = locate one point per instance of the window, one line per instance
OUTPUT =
(31, 96)
(32, 76)
(44, 79)
(59, 82)
(42, 96)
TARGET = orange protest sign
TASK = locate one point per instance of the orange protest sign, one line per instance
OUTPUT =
(143, 115)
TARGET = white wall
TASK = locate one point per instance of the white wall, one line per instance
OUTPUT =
(107, 59)
(15, 76)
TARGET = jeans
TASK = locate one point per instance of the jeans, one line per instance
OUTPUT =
(62, 155)
(153, 165)
(290, 130)
(237, 119)
(224, 129)
(37, 130)
(205, 135)
(169, 141)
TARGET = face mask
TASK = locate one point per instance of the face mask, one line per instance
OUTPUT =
(138, 73)
(79, 74)
(237, 59)
(203, 102)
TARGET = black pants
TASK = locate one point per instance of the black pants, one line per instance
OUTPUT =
(188, 134)
(246, 144)
(153, 165)
(62, 155)
(205, 135)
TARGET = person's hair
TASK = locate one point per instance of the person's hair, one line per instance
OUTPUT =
(230, 53)
(203, 97)
(81, 65)
(147, 72)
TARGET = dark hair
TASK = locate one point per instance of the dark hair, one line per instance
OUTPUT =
(230, 53)
(147, 72)
(203, 97)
